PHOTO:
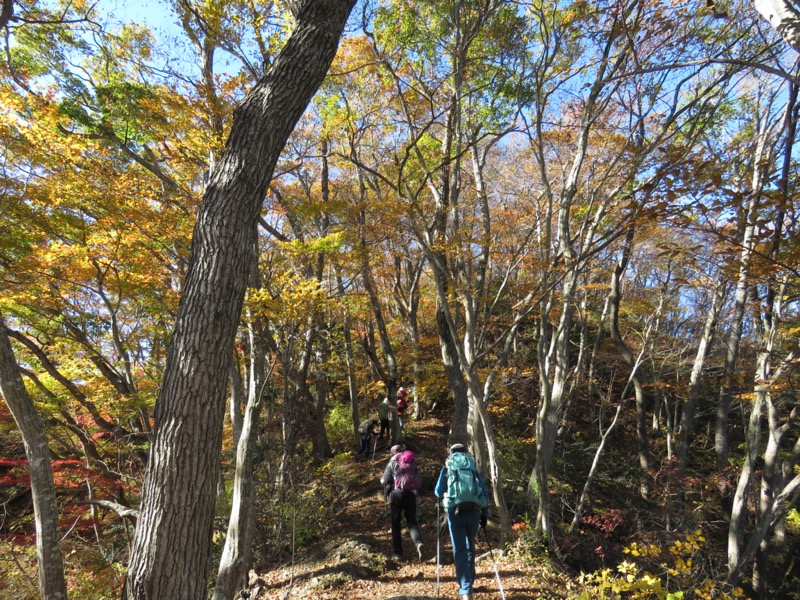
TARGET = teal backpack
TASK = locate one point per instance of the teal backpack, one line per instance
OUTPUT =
(463, 487)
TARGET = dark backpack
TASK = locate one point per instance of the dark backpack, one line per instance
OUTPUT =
(463, 487)
(407, 478)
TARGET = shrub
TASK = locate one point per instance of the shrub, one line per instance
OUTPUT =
(652, 572)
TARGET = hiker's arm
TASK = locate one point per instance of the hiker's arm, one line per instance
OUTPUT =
(387, 478)
(485, 509)
(441, 484)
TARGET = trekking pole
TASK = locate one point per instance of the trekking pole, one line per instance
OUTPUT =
(438, 535)
(387, 516)
(374, 446)
(496, 572)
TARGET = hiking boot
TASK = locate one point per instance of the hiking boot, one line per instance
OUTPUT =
(419, 550)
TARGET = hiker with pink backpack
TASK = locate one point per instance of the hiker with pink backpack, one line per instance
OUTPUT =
(401, 481)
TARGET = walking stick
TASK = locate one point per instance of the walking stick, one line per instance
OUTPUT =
(374, 446)
(438, 535)
(496, 572)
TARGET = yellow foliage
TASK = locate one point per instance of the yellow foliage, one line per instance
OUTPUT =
(677, 570)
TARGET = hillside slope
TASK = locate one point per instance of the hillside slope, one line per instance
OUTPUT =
(353, 560)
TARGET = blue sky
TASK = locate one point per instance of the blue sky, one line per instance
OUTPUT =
(157, 15)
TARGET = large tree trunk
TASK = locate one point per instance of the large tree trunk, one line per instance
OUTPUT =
(170, 556)
(784, 16)
(48, 552)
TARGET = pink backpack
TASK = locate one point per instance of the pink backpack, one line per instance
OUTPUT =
(407, 478)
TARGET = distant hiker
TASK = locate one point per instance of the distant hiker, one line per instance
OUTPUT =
(464, 497)
(383, 414)
(402, 404)
(401, 482)
(366, 430)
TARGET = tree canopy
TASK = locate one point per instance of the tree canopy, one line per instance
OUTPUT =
(570, 228)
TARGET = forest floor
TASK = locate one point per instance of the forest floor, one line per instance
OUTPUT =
(353, 561)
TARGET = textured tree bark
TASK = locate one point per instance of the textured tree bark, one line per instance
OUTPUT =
(458, 429)
(170, 556)
(784, 16)
(48, 552)
(753, 432)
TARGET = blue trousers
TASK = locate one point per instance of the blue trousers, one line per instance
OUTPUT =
(463, 529)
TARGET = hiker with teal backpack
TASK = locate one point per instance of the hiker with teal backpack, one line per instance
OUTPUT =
(401, 482)
(464, 497)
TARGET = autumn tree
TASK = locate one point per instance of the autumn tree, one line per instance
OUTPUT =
(184, 458)
(610, 176)
(51, 570)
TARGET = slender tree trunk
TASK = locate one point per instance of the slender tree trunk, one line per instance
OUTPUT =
(548, 416)
(352, 382)
(458, 388)
(237, 401)
(554, 361)
(775, 470)
(237, 554)
(306, 415)
(777, 510)
(170, 555)
(319, 435)
(729, 370)
(492, 464)
(578, 371)
(290, 427)
(739, 509)
(52, 585)
(695, 379)
(645, 458)
(388, 367)
(587, 485)
(749, 218)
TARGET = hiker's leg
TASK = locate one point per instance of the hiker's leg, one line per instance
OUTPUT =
(463, 527)
(396, 502)
(472, 533)
(410, 503)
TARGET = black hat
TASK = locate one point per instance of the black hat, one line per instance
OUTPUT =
(457, 448)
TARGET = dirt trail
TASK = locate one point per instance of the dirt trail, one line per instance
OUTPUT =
(354, 561)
